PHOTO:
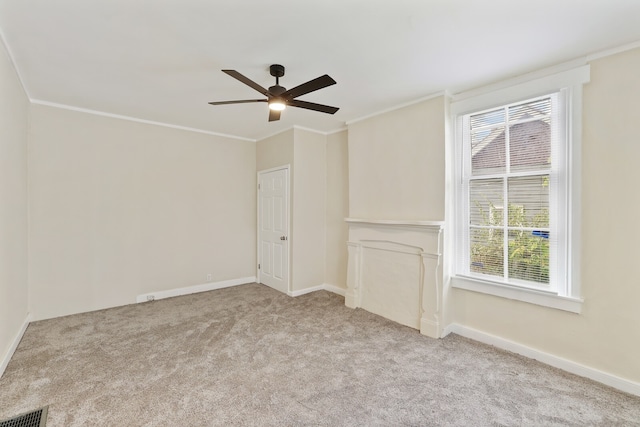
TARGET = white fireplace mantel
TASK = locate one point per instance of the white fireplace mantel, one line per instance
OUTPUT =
(395, 270)
(436, 225)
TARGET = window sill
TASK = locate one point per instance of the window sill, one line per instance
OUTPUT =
(531, 296)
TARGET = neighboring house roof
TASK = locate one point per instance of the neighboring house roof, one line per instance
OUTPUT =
(530, 144)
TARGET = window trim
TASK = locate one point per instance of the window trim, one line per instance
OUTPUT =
(533, 296)
(570, 82)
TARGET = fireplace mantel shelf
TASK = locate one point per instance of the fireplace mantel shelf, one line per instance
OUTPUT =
(399, 222)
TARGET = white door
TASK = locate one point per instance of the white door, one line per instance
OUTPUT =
(273, 228)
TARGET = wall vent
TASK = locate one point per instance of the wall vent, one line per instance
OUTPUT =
(37, 418)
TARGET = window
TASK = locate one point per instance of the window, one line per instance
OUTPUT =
(507, 159)
(516, 171)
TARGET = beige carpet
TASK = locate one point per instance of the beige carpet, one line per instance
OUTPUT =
(250, 356)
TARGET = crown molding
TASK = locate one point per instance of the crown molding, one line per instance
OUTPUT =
(12, 60)
(135, 119)
(331, 132)
(306, 129)
(296, 127)
(613, 51)
(516, 80)
(341, 129)
(397, 107)
(456, 94)
(262, 138)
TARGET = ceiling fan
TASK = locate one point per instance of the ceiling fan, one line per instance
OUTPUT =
(279, 97)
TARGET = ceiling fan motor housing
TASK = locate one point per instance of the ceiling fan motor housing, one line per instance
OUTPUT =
(277, 90)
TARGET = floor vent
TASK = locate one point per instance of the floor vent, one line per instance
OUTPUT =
(37, 418)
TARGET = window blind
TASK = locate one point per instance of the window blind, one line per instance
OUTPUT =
(508, 185)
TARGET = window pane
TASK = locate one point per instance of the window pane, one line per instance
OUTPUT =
(488, 154)
(486, 202)
(486, 251)
(490, 118)
(529, 256)
(487, 142)
(528, 201)
(540, 109)
(530, 141)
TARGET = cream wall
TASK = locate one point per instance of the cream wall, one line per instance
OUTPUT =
(337, 209)
(14, 110)
(397, 164)
(606, 335)
(120, 208)
(275, 151)
(309, 207)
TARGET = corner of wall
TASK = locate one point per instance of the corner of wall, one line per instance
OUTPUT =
(6, 357)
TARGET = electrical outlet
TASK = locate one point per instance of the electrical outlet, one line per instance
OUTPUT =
(150, 297)
(209, 277)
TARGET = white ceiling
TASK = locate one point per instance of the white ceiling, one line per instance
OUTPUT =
(161, 60)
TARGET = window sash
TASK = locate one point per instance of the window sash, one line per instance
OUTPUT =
(464, 265)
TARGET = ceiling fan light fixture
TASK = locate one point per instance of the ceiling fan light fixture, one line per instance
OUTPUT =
(277, 105)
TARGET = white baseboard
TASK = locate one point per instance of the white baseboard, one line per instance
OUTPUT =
(305, 291)
(194, 289)
(324, 287)
(14, 345)
(611, 380)
(335, 289)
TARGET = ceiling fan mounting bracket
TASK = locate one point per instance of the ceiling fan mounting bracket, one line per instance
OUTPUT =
(276, 70)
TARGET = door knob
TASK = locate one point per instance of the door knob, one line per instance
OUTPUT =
(283, 237)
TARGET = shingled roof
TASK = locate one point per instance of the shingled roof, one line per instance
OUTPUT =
(530, 147)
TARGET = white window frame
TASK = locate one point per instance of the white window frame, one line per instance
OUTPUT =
(569, 83)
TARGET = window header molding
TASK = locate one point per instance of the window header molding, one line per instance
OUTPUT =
(514, 90)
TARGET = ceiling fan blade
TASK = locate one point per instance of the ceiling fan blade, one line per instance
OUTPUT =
(236, 75)
(310, 86)
(313, 106)
(242, 101)
(274, 115)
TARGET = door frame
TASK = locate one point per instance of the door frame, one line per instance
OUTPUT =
(287, 169)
